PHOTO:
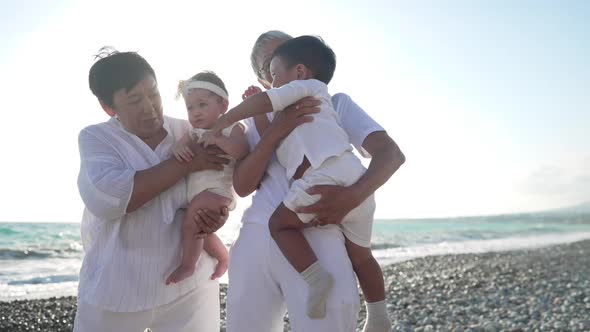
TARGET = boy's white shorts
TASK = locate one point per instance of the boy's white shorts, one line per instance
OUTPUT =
(344, 170)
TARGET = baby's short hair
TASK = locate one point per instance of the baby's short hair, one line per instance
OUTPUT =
(312, 52)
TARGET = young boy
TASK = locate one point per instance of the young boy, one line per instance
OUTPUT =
(315, 153)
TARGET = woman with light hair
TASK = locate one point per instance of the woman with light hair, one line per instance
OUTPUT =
(258, 271)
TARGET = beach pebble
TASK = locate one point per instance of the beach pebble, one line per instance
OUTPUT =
(531, 290)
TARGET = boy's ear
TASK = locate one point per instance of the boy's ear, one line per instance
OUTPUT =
(107, 109)
(303, 72)
(264, 84)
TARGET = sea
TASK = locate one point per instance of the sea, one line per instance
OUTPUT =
(40, 260)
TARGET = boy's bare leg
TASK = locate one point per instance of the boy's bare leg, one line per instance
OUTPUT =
(370, 278)
(214, 247)
(285, 228)
(191, 245)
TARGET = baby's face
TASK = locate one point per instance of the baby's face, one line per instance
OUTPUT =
(204, 107)
(280, 73)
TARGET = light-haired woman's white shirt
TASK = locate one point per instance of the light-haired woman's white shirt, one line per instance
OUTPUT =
(129, 255)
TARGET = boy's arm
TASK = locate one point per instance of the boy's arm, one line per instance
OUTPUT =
(254, 105)
(275, 99)
(235, 145)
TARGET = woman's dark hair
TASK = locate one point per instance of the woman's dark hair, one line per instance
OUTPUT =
(312, 52)
(116, 70)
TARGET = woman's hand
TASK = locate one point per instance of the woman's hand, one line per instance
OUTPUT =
(335, 203)
(210, 221)
(297, 114)
(206, 158)
(252, 90)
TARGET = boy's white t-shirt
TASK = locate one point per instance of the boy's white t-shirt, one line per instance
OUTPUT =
(329, 139)
(275, 184)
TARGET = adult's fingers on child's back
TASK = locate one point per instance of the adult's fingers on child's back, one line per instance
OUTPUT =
(189, 151)
(308, 102)
(304, 119)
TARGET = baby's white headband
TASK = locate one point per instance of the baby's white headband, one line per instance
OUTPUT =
(188, 85)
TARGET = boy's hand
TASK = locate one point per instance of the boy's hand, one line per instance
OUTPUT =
(252, 90)
(210, 137)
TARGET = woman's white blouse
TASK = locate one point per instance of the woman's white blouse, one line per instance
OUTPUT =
(129, 255)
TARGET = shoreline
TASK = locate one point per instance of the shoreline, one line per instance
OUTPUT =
(545, 289)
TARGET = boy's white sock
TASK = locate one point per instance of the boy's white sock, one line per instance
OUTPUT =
(377, 319)
(320, 284)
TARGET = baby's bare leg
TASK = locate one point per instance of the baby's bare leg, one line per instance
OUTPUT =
(370, 278)
(285, 228)
(191, 250)
(214, 247)
(191, 245)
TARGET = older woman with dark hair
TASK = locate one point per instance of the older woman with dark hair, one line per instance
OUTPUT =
(133, 191)
(258, 271)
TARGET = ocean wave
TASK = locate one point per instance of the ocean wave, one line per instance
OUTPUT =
(383, 246)
(38, 253)
(52, 279)
(395, 255)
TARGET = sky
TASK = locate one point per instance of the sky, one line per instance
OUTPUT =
(487, 99)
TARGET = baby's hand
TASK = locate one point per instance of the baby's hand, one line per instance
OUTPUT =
(252, 90)
(182, 152)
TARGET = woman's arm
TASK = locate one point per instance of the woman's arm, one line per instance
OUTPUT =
(149, 183)
(387, 157)
(386, 160)
(249, 171)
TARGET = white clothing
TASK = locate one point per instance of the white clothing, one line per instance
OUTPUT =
(261, 280)
(275, 184)
(197, 310)
(318, 140)
(128, 255)
(343, 170)
(258, 269)
(326, 146)
(217, 182)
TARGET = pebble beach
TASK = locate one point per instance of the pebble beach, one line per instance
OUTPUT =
(545, 289)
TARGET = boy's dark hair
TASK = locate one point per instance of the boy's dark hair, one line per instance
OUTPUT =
(211, 77)
(312, 52)
(116, 70)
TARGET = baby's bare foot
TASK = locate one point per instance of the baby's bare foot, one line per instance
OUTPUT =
(220, 269)
(182, 272)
